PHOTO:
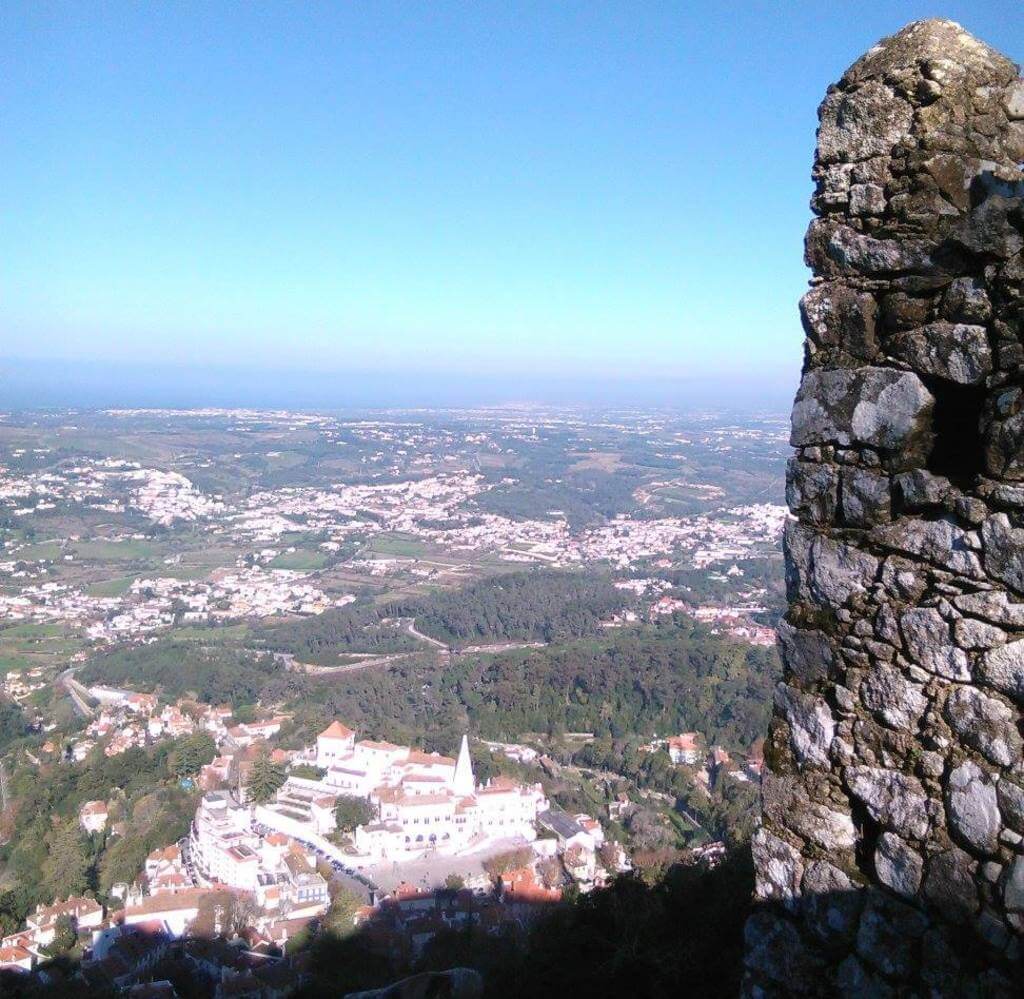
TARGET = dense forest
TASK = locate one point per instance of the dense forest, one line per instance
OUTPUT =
(671, 677)
(624, 683)
(12, 723)
(213, 674)
(546, 606)
(321, 639)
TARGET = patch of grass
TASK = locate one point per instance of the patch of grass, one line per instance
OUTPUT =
(49, 550)
(300, 561)
(231, 632)
(397, 545)
(115, 551)
(110, 587)
(17, 663)
(34, 631)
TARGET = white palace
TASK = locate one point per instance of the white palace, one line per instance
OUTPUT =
(424, 802)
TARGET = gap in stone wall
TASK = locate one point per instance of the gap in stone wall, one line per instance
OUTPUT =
(957, 450)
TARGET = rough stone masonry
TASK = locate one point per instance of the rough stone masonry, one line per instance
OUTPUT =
(890, 861)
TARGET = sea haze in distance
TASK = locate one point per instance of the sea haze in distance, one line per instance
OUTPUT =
(28, 384)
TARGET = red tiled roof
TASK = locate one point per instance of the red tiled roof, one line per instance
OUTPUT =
(434, 759)
(336, 730)
(687, 742)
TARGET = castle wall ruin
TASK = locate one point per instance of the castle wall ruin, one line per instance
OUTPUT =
(890, 860)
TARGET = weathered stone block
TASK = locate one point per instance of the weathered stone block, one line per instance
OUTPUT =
(1004, 551)
(867, 122)
(992, 605)
(807, 653)
(1011, 803)
(1003, 668)
(898, 865)
(811, 725)
(888, 936)
(1013, 890)
(894, 799)
(864, 497)
(840, 321)
(966, 301)
(812, 490)
(940, 542)
(779, 867)
(893, 699)
(775, 950)
(972, 807)
(953, 351)
(950, 884)
(920, 489)
(876, 407)
(929, 641)
(830, 902)
(787, 804)
(986, 724)
(822, 571)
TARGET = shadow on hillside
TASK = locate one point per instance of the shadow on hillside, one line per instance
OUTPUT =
(683, 935)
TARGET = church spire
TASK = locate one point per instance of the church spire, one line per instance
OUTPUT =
(464, 783)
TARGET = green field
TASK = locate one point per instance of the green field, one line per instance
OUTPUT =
(396, 544)
(300, 561)
(227, 633)
(116, 551)
(49, 550)
(26, 645)
(110, 587)
(32, 631)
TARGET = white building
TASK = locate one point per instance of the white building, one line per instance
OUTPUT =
(424, 801)
(92, 816)
(684, 748)
(222, 842)
(226, 849)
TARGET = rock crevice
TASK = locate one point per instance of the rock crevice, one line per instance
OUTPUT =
(890, 860)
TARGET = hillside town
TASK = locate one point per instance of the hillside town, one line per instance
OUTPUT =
(263, 871)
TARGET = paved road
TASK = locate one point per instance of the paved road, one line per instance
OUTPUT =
(362, 664)
(410, 627)
(77, 692)
(430, 872)
(503, 647)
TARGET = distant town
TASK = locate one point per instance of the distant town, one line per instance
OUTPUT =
(184, 592)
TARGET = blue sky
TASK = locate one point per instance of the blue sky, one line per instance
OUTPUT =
(586, 189)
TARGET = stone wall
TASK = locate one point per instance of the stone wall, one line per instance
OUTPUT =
(891, 856)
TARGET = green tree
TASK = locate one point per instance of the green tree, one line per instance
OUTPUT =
(508, 860)
(64, 937)
(192, 754)
(122, 862)
(67, 863)
(339, 918)
(351, 812)
(265, 777)
(15, 905)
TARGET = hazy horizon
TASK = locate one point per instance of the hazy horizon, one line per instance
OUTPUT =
(38, 384)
